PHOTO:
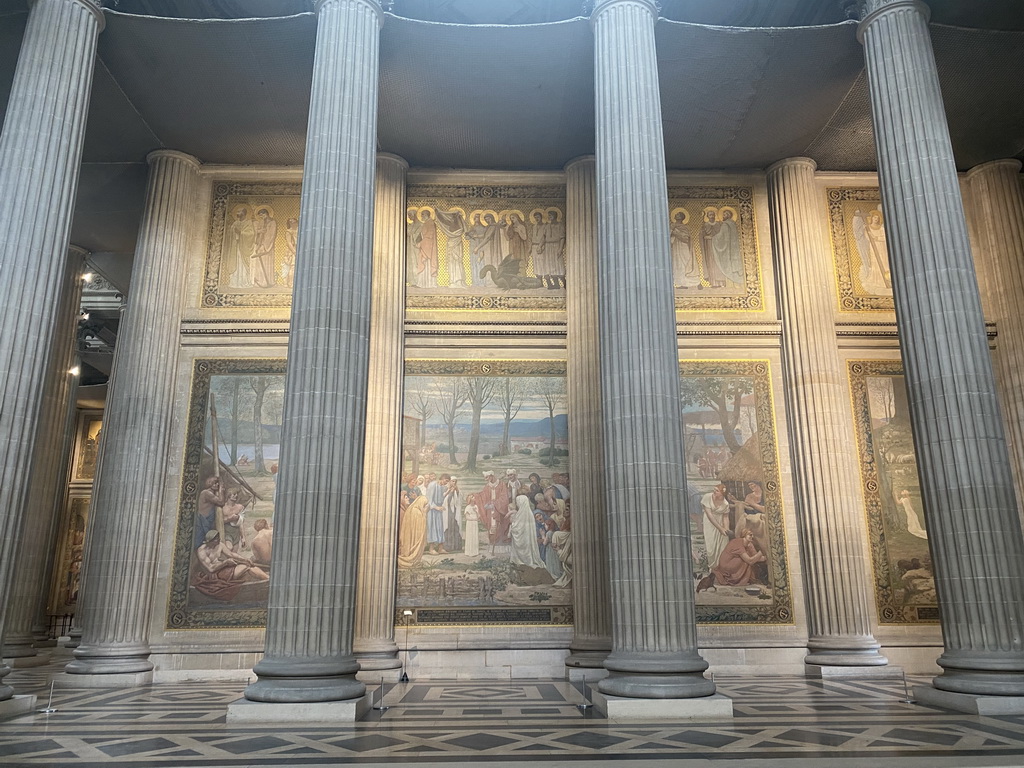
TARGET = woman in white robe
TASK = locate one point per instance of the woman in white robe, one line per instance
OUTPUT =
(523, 531)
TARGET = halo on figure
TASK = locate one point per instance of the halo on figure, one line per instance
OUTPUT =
(709, 209)
(676, 211)
(457, 209)
(733, 211)
(556, 211)
(412, 213)
(429, 209)
(490, 212)
(876, 212)
(541, 211)
(240, 207)
(507, 214)
(264, 207)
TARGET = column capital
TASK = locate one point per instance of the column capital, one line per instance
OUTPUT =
(377, 6)
(581, 160)
(1010, 163)
(651, 6)
(174, 154)
(791, 161)
(92, 5)
(388, 157)
(867, 11)
(77, 250)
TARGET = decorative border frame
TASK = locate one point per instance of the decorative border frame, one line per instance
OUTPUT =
(561, 615)
(743, 199)
(849, 301)
(211, 297)
(780, 609)
(889, 611)
(538, 195)
(179, 614)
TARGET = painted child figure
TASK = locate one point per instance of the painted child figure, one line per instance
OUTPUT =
(472, 516)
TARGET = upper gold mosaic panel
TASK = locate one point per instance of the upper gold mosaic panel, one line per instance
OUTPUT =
(860, 249)
(715, 259)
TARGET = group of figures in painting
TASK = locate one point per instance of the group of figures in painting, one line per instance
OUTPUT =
(249, 258)
(717, 260)
(485, 248)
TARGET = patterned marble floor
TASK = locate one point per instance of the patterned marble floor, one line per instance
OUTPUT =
(787, 722)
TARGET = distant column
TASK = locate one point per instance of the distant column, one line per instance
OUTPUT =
(375, 584)
(40, 154)
(654, 635)
(592, 629)
(311, 609)
(997, 194)
(973, 527)
(47, 485)
(832, 539)
(119, 561)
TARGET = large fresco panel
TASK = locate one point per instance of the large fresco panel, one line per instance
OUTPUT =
(904, 583)
(860, 249)
(713, 235)
(734, 498)
(221, 564)
(485, 533)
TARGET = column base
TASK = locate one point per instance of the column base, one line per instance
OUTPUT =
(834, 670)
(714, 707)
(970, 703)
(373, 676)
(376, 661)
(591, 658)
(656, 686)
(114, 680)
(26, 662)
(305, 680)
(349, 711)
(17, 705)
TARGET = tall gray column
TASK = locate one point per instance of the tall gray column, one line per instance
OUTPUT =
(40, 153)
(375, 594)
(654, 635)
(591, 588)
(312, 594)
(119, 560)
(47, 485)
(974, 531)
(997, 197)
(828, 499)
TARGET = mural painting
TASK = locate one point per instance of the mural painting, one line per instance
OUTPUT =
(68, 566)
(713, 234)
(903, 578)
(254, 228)
(734, 499)
(90, 425)
(485, 515)
(861, 249)
(485, 247)
(224, 536)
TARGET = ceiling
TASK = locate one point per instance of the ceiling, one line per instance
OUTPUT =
(509, 84)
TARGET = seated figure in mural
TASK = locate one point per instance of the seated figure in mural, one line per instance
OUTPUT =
(737, 563)
(412, 532)
(753, 514)
(234, 520)
(523, 533)
(262, 542)
(222, 571)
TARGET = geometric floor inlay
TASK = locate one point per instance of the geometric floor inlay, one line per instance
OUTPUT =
(790, 722)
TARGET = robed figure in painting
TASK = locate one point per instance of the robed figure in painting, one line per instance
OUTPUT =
(873, 250)
(238, 245)
(412, 530)
(685, 270)
(263, 249)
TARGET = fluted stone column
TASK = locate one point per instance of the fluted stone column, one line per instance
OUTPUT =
(654, 636)
(828, 499)
(997, 195)
(973, 527)
(374, 645)
(47, 484)
(590, 583)
(121, 539)
(312, 594)
(40, 153)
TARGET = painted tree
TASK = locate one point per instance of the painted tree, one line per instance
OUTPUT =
(480, 390)
(259, 386)
(723, 395)
(551, 391)
(450, 397)
(511, 394)
(422, 405)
